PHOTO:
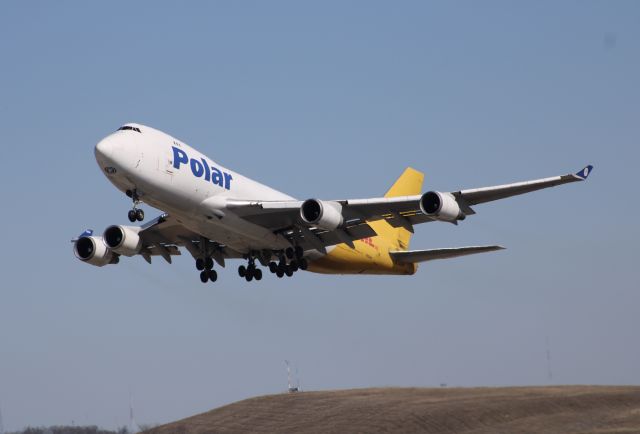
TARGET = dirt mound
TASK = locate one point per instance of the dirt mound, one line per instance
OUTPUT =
(563, 409)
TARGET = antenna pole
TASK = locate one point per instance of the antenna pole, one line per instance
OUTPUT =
(286, 362)
(133, 426)
(549, 373)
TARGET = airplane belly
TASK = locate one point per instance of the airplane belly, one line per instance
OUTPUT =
(345, 260)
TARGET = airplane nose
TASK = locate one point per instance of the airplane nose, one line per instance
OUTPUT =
(104, 149)
(106, 153)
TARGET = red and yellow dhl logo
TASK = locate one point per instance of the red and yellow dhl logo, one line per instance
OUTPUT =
(369, 241)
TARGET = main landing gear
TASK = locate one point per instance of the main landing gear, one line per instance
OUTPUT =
(296, 262)
(207, 273)
(250, 272)
(135, 213)
(290, 260)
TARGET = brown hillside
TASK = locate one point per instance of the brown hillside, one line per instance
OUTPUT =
(564, 409)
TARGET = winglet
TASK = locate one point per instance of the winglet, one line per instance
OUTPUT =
(584, 173)
(86, 233)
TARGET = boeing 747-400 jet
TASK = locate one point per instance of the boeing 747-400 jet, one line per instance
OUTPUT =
(217, 214)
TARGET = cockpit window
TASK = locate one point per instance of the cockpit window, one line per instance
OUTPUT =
(127, 127)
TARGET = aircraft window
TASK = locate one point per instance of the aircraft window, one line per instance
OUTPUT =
(127, 127)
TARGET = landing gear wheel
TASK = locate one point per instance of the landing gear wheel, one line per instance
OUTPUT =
(200, 264)
(139, 215)
(289, 252)
(279, 273)
(293, 265)
(258, 274)
(242, 271)
(303, 264)
(132, 215)
(288, 271)
(208, 263)
(299, 252)
(213, 276)
(248, 277)
(273, 267)
(204, 276)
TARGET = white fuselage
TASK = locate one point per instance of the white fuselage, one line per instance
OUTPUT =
(174, 177)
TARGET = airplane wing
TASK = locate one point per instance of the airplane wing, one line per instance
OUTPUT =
(488, 194)
(404, 211)
(413, 256)
(163, 235)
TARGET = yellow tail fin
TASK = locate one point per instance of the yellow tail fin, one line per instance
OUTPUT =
(408, 184)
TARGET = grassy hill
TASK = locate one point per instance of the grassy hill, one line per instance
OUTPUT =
(563, 409)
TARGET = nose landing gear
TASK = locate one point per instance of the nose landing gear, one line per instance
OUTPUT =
(135, 213)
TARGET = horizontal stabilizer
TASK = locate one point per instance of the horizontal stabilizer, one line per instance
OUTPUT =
(414, 256)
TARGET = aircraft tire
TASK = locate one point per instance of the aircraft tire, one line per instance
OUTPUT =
(199, 264)
(304, 264)
(139, 215)
(242, 271)
(204, 277)
(213, 275)
(208, 263)
(258, 274)
(132, 215)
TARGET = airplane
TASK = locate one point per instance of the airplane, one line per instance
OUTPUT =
(217, 214)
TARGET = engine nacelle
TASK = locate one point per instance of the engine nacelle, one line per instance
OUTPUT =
(123, 240)
(442, 206)
(325, 215)
(92, 250)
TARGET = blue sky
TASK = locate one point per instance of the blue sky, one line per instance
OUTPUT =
(330, 100)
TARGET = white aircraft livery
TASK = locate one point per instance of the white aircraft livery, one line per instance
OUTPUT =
(217, 214)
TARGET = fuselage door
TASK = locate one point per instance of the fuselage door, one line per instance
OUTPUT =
(166, 163)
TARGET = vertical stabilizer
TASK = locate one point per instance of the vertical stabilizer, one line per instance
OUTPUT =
(408, 184)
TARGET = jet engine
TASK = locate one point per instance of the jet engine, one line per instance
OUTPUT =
(123, 240)
(92, 250)
(324, 214)
(441, 206)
